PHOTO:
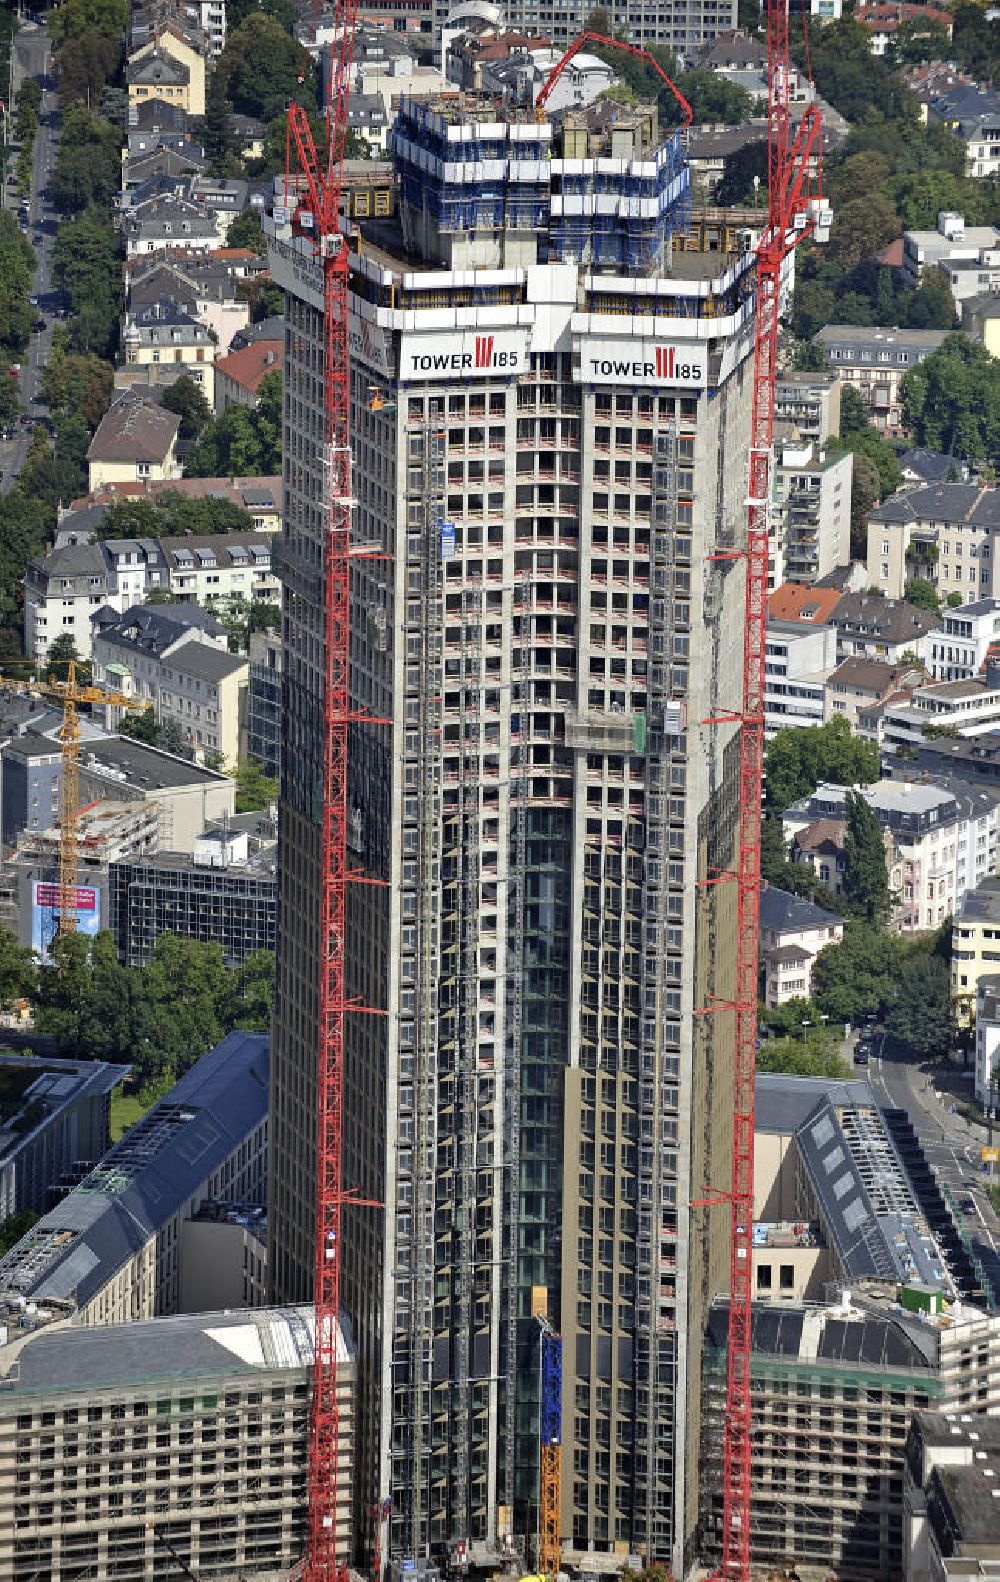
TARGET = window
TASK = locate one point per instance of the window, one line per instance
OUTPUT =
(764, 1277)
(787, 1277)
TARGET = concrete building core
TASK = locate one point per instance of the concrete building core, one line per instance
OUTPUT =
(550, 410)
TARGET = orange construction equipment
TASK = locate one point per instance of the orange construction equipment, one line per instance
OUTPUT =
(71, 694)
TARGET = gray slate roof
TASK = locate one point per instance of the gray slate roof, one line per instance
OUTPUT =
(151, 628)
(785, 913)
(206, 663)
(957, 504)
(145, 1178)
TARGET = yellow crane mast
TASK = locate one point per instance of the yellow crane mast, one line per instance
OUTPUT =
(71, 694)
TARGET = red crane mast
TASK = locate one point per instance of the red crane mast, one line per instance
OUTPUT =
(793, 212)
(316, 184)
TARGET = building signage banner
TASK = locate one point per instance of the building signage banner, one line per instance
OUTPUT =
(45, 914)
(464, 354)
(654, 364)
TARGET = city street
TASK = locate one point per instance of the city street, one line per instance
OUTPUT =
(950, 1144)
(33, 59)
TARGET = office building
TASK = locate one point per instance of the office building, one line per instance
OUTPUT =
(951, 1502)
(225, 893)
(799, 658)
(545, 635)
(53, 1125)
(148, 1450)
(107, 1254)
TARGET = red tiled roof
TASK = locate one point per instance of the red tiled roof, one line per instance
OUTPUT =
(800, 601)
(251, 364)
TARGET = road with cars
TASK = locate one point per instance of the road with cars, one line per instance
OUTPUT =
(38, 220)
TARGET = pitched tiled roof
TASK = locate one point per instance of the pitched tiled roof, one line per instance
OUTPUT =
(134, 431)
(251, 365)
(800, 601)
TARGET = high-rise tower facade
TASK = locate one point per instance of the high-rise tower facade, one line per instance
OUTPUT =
(550, 413)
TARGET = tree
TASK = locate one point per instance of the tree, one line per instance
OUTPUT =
(62, 652)
(14, 1227)
(173, 739)
(244, 441)
(86, 264)
(85, 65)
(16, 266)
(17, 971)
(218, 138)
(798, 758)
(932, 306)
(170, 514)
(861, 229)
(853, 412)
(260, 66)
(856, 974)
(245, 231)
(922, 1015)
(78, 383)
(951, 400)
(26, 522)
(187, 398)
(254, 790)
(72, 18)
(141, 727)
(917, 41)
(88, 165)
(865, 496)
(866, 875)
(736, 184)
(923, 594)
(250, 1001)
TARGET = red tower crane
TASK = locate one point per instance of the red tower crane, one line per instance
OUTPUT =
(316, 181)
(794, 210)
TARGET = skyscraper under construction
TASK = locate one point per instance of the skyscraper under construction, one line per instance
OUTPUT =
(550, 409)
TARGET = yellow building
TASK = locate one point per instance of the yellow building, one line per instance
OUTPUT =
(166, 339)
(168, 67)
(975, 945)
(135, 442)
(981, 320)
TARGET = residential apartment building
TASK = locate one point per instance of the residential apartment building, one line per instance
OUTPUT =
(873, 362)
(240, 375)
(203, 284)
(967, 636)
(218, 568)
(135, 441)
(164, 335)
(172, 656)
(981, 319)
(965, 708)
(944, 841)
(793, 931)
(987, 1036)
(53, 1125)
(812, 511)
(798, 663)
(859, 683)
(882, 19)
(106, 1254)
(171, 66)
(945, 533)
(190, 1436)
(810, 402)
(169, 223)
(952, 243)
(869, 626)
(972, 113)
(224, 893)
(545, 632)
(65, 589)
(975, 944)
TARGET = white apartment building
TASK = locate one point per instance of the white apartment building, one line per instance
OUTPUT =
(810, 402)
(959, 647)
(811, 522)
(963, 708)
(988, 1039)
(566, 444)
(799, 660)
(945, 533)
(944, 840)
(873, 360)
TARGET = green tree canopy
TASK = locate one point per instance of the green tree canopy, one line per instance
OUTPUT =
(243, 441)
(86, 264)
(78, 382)
(85, 65)
(16, 266)
(88, 164)
(169, 514)
(866, 875)
(922, 1015)
(923, 594)
(857, 974)
(16, 970)
(245, 231)
(186, 397)
(259, 68)
(951, 400)
(254, 790)
(72, 18)
(798, 758)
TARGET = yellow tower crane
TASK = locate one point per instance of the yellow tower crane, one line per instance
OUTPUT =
(71, 693)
